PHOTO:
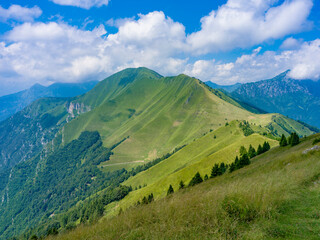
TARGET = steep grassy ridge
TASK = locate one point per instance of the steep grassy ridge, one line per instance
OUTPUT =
(276, 197)
(157, 114)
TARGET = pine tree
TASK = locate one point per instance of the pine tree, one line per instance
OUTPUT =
(232, 167)
(251, 152)
(294, 139)
(144, 200)
(260, 150)
(244, 160)
(283, 141)
(170, 190)
(150, 198)
(223, 168)
(196, 179)
(181, 185)
(206, 177)
(236, 163)
(242, 151)
(214, 171)
(266, 146)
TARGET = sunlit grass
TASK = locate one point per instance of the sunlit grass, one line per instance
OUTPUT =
(277, 196)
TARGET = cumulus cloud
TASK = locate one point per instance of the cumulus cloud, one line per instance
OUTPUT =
(58, 52)
(244, 23)
(304, 63)
(19, 13)
(46, 52)
(291, 43)
(86, 4)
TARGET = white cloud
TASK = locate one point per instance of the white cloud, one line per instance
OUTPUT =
(306, 61)
(19, 13)
(291, 43)
(49, 52)
(45, 52)
(303, 62)
(244, 23)
(86, 4)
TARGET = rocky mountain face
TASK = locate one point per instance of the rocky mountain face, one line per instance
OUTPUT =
(299, 100)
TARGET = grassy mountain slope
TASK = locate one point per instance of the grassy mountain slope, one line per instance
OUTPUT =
(218, 146)
(157, 114)
(275, 197)
(297, 99)
(11, 104)
(152, 114)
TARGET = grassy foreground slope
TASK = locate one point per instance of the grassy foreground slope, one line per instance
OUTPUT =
(276, 197)
(218, 146)
(158, 114)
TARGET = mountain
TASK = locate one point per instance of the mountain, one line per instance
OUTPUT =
(11, 104)
(297, 99)
(65, 159)
(275, 197)
(228, 88)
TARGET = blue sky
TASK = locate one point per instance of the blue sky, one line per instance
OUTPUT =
(222, 41)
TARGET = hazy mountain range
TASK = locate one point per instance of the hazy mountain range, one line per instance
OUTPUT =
(10, 104)
(299, 100)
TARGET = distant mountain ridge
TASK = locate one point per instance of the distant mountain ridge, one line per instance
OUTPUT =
(11, 104)
(228, 88)
(297, 99)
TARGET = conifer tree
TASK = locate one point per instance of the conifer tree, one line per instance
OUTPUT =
(259, 150)
(150, 198)
(242, 151)
(266, 146)
(170, 190)
(232, 167)
(294, 139)
(181, 185)
(144, 200)
(196, 179)
(251, 152)
(223, 168)
(244, 160)
(236, 163)
(206, 177)
(214, 171)
(283, 141)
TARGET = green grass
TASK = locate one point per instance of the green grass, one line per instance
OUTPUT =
(276, 197)
(200, 156)
(158, 114)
